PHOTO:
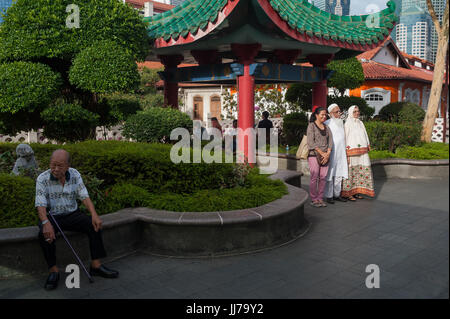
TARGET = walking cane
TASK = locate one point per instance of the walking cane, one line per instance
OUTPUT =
(68, 243)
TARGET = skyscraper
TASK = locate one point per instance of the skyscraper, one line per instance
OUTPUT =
(338, 7)
(319, 4)
(4, 4)
(415, 34)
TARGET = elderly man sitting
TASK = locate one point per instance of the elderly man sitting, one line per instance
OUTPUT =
(57, 190)
(338, 168)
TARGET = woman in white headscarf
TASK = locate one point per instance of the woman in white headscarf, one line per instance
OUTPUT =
(360, 178)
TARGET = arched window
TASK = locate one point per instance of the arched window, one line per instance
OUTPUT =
(198, 108)
(374, 97)
(215, 107)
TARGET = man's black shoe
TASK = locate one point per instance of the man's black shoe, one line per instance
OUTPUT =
(330, 200)
(340, 199)
(104, 272)
(52, 281)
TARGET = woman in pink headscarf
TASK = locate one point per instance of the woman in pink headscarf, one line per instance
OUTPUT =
(360, 178)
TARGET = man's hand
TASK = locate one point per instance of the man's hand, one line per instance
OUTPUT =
(49, 232)
(96, 222)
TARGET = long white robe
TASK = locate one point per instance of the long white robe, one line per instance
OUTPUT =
(338, 166)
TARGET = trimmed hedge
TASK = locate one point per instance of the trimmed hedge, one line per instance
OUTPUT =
(17, 201)
(155, 124)
(402, 112)
(389, 136)
(69, 123)
(145, 165)
(259, 191)
(427, 151)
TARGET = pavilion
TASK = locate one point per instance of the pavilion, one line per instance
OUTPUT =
(248, 42)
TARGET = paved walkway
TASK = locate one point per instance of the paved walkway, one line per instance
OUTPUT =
(405, 231)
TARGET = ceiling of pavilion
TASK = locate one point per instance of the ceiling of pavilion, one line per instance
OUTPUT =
(276, 24)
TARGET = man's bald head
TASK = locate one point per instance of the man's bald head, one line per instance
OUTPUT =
(59, 163)
(60, 155)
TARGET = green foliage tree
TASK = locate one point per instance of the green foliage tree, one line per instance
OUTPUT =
(300, 94)
(68, 123)
(402, 112)
(104, 67)
(97, 57)
(348, 74)
(155, 125)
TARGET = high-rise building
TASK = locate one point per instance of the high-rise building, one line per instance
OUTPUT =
(414, 33)
(319, 4)
(398, 11)
(4, 4)
(417, 28)
(338, 7)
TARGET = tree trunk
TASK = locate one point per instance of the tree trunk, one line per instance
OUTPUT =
(439, 71)
(436, 90)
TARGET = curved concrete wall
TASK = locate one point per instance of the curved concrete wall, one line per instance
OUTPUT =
(388, 168)
(166, 233)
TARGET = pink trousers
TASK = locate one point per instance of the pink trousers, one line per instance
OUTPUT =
(318, 179)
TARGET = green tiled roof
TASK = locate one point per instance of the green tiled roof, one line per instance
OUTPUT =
(306, 18)
(300, 15)
(186, 18)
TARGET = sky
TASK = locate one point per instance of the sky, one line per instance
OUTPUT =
(358, 7)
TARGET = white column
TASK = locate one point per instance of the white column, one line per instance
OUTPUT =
(148, 9)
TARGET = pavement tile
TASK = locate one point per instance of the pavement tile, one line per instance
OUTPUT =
(407, 237)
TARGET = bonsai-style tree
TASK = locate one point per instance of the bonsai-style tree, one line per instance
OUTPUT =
(56, 56)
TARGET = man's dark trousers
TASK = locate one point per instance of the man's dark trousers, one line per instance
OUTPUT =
(76, 222)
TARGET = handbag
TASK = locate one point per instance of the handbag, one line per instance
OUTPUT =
(302, 152)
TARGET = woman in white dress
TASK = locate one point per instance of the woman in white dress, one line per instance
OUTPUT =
(360, 178)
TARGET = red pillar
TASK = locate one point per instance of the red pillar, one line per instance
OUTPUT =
(246, 54)
(320, 89)
(170, 88)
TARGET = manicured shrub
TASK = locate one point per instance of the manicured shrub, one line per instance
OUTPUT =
(259, 190)
(124, 195)
(294, 127)
(146, 165)
(17, 201)
(27, 86)
(104, 67)
(155, 124)
(375, 155)
(402, 112)
(7, 160)
(95, 190)
(389, 136)
(69, 123)
(120, 107)
(427, 151)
